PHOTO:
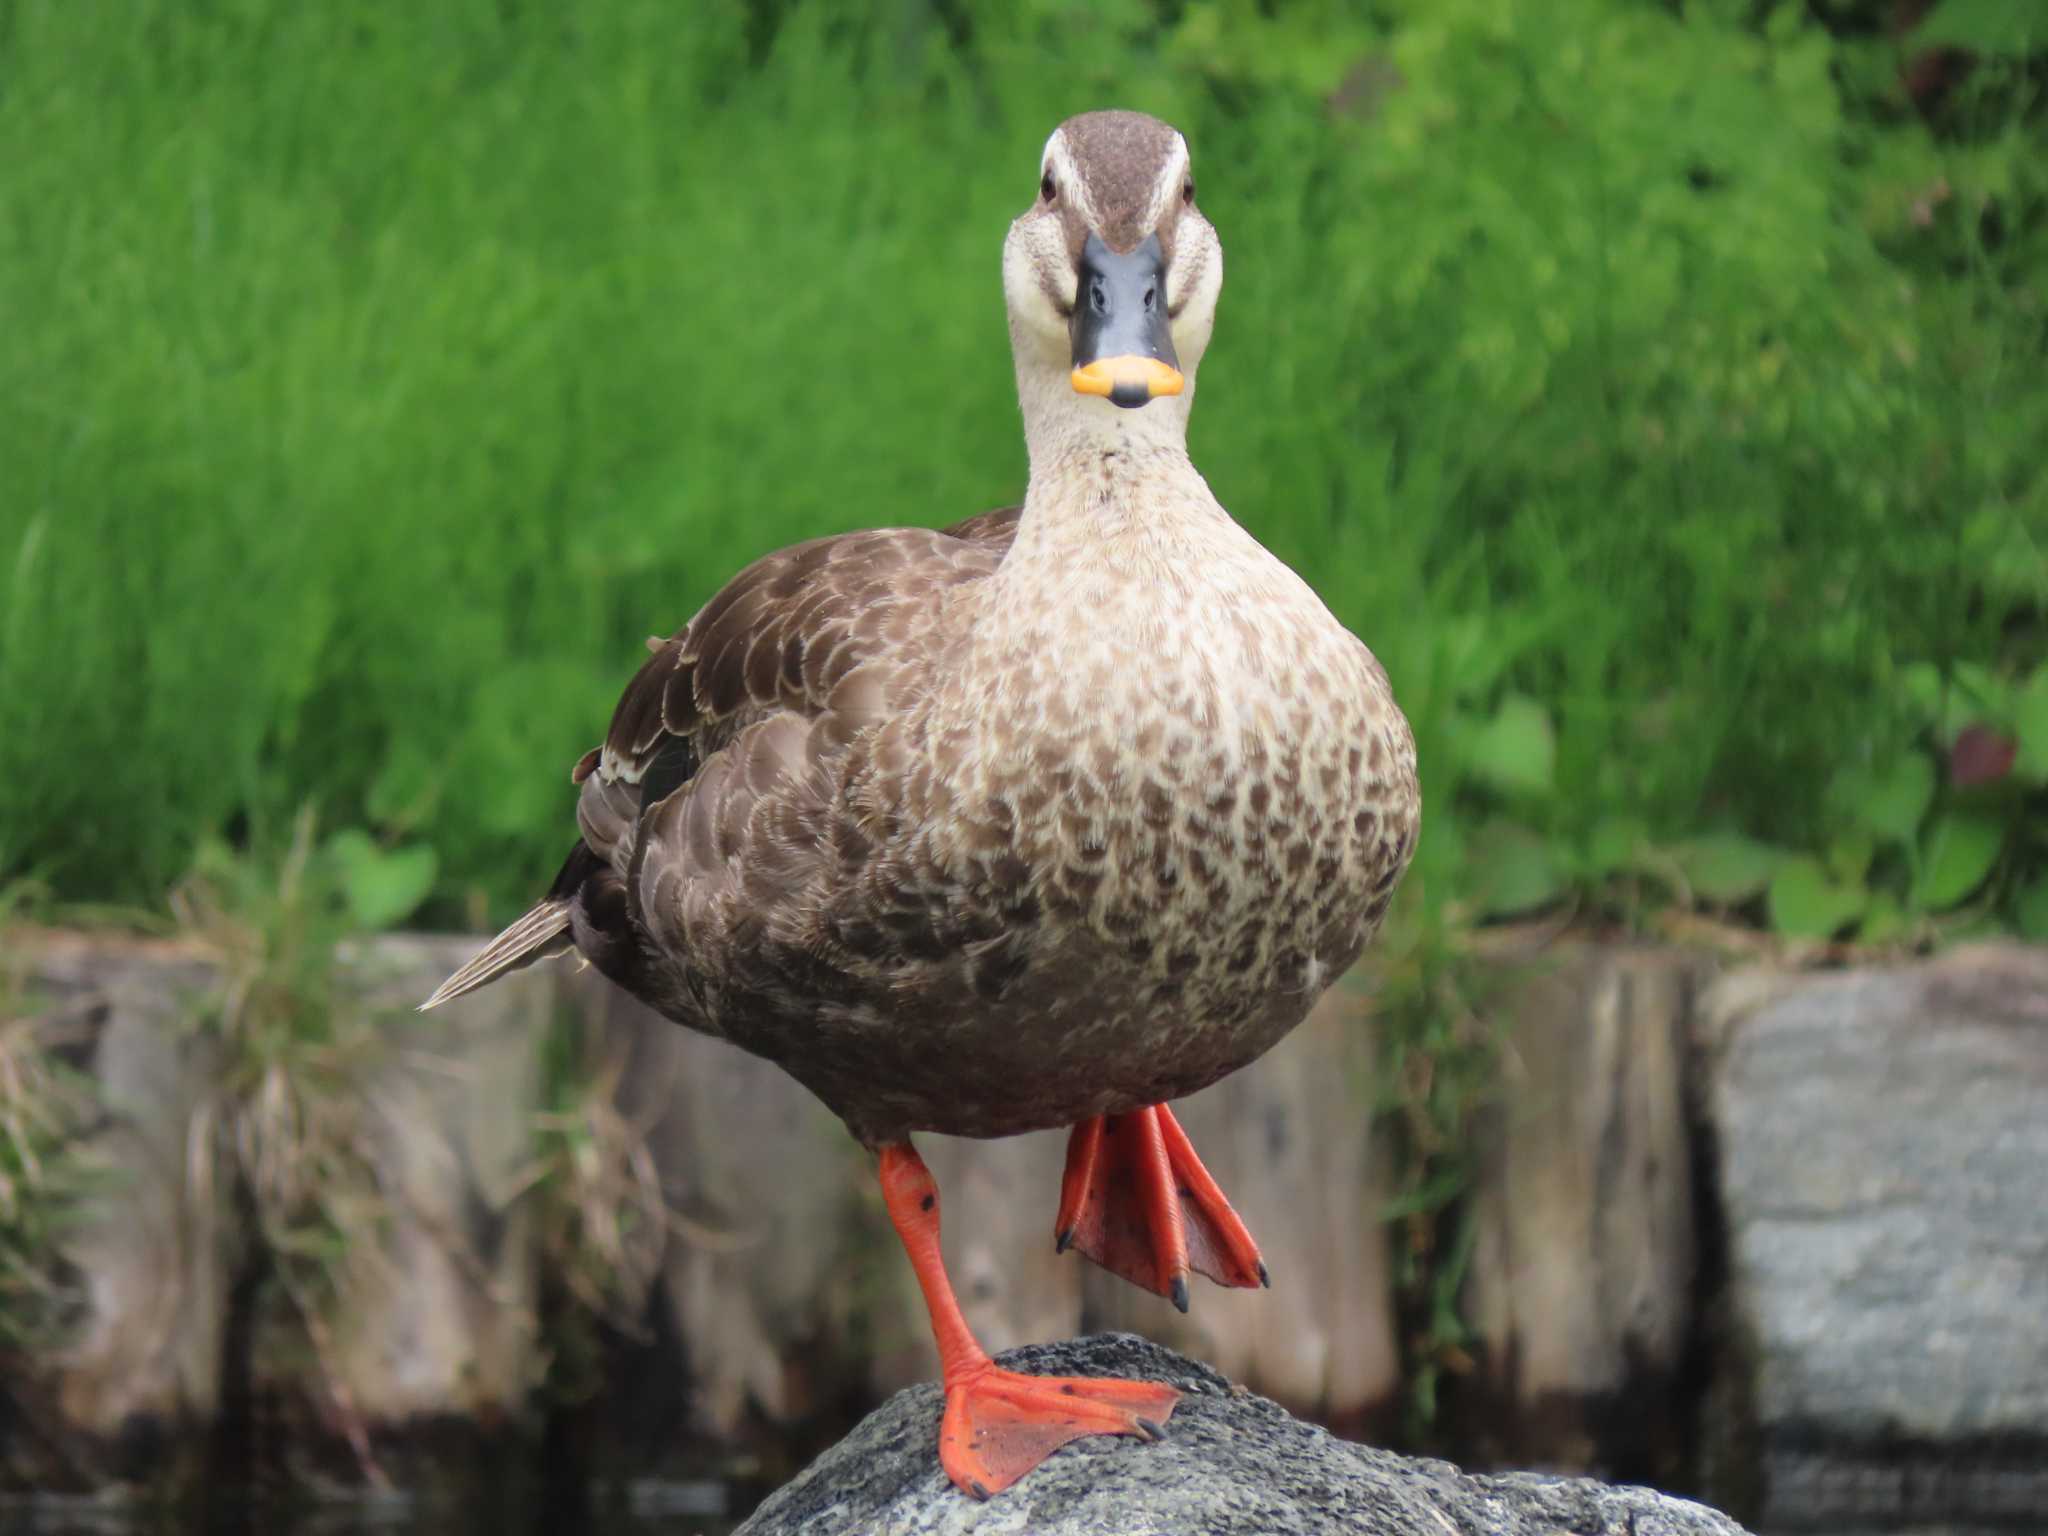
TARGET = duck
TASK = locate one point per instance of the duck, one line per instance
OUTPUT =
(1039, 820)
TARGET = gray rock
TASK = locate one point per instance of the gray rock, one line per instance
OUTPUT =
(1883, 1137)
(1233, 1465)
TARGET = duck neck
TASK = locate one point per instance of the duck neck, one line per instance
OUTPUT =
(1102, 477)
(1062, 427)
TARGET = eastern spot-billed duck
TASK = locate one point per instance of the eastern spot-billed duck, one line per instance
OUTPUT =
(1039, 820)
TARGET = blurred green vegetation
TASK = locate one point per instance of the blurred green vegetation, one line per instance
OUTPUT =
(1658, 388)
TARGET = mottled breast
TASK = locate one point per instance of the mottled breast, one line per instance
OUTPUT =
(1202, 771)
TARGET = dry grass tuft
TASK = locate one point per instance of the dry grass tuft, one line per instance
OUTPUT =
(290, 1125)
(45, 1168)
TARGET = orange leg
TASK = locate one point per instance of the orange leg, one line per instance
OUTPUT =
(1000, 1424)
(1137, 1201)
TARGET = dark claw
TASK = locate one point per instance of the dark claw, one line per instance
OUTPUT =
(1180, 1292)
(979, 1489)
(1265, 1279)
(1153, 1429)
(1061, 1242)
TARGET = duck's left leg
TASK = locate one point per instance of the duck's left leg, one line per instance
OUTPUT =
(1000, 1424)
(1137, 1201)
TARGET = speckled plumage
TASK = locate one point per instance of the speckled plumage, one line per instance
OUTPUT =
(1062, 811)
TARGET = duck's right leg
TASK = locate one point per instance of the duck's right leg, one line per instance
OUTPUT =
(1000, 1424)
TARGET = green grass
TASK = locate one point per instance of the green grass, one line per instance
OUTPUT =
(377, 376)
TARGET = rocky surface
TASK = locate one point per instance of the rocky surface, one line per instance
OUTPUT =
(1883, 1142)
(1233, 1464)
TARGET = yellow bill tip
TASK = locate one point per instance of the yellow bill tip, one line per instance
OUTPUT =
(1128, 380)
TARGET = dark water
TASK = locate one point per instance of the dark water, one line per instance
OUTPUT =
(647, 1508)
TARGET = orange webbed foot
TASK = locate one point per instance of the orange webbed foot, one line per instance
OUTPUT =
(1137, 1201)
(1000, 1424)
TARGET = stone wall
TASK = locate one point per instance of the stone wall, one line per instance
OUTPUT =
(154, 1255)
(1779, 1237)
(1882, 1141)
(1584, 1280)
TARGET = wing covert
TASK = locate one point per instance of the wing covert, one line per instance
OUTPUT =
(771, 680)
(787, 632)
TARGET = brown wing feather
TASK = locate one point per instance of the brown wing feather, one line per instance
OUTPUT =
(786, 631)
(767, 686)
(995, 528)
(701, 783)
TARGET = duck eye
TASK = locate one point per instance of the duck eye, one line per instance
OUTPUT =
(1187, 190)
(1048, 188)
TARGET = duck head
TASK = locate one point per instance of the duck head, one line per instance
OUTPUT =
(1111, 277)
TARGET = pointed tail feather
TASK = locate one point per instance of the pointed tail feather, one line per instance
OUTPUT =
(541, 934)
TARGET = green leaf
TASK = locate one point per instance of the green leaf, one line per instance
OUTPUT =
(1726, 866)
(1849, 856)
(1889, 801)
(1514, 870)
(1806, 904)
(1515, 751)
(1980, 692)
(2030, 724)
(1970, 693)
(1616, 845)
(1960, 850)
(1884, 921)
(1921, 686)
(382, 887)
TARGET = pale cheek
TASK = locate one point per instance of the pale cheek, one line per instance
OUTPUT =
(1037, 326)
(1197, 319)
(1037, 320)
